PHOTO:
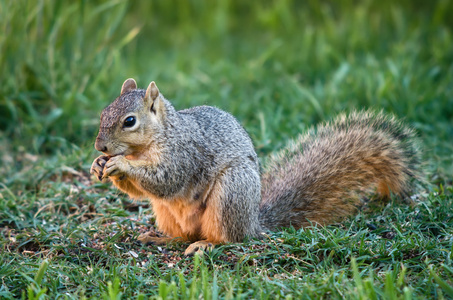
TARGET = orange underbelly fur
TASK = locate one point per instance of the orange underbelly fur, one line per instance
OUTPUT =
(178, 217)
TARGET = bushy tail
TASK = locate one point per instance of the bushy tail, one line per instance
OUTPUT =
(325, 174)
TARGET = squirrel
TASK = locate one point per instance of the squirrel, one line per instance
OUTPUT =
(199, 169)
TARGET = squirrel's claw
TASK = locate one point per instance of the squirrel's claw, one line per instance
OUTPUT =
(115, 166)
(97, 167)
(198, 247)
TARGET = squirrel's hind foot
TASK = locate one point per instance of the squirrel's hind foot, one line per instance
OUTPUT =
(199, 247)
(146, 239)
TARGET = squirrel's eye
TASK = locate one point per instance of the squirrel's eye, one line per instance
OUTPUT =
(129, 122)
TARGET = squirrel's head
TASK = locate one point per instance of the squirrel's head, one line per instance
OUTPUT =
(129, 124)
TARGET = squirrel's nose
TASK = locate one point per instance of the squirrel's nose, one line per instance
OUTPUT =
(100, 145)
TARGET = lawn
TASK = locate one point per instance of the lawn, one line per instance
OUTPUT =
(280, 67)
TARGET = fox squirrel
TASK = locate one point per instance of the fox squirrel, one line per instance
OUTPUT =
(199, 169)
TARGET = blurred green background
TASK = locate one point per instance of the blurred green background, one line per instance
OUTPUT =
(278, 66)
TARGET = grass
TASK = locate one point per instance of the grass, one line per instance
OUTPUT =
(279, 67)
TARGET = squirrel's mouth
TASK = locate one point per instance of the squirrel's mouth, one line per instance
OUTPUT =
(110, 155)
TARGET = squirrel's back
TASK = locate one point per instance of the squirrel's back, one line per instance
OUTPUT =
(325, 174)
(219, 138)
(219, 130)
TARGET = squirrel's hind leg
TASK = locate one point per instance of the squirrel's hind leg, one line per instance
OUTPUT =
(231, 212)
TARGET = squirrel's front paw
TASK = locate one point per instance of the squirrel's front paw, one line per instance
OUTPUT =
(97, 168)
(116, 166)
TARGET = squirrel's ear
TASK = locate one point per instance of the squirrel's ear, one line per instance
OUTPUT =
(153, 99)
(128, 85)
(152, 92)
